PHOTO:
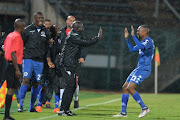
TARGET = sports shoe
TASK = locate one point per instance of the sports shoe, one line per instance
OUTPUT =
(9, 118)
(32, 110)
(38, 108)
(76, 104)
(120, 115)
(48, 105)
(66, 113)
(20, 109)
(143, 113)
(56, 110)
(35, 106)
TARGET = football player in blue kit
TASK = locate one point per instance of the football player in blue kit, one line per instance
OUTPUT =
(145, 47)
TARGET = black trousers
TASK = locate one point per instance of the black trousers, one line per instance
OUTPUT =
(48, 80)
(69, 76)
(12, 81)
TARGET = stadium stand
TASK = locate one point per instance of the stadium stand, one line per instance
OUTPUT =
(113, 16)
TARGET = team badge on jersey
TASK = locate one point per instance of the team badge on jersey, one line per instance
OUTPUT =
(145, 43)
(43, 34)
(25, 73)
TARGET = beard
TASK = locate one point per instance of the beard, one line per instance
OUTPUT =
(138, 36)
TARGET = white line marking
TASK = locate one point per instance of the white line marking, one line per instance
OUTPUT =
(79, 108)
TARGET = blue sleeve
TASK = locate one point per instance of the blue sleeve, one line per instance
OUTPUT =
(145, 45)
(139, 44)
(131, 47)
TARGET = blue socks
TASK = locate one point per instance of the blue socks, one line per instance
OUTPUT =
(41, 96)
(34, 93)
(138, 99)
(124, 101)
(57, 98)
(39, 88)
(23, 91)
(17, 94)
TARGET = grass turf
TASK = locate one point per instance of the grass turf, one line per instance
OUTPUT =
(101, 106)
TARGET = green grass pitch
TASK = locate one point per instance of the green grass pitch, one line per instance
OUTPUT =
(101, 106)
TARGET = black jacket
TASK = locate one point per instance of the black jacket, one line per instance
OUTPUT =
(2, 39)
(83, 51)
(2, 59)
(74, 42)
(36, 44)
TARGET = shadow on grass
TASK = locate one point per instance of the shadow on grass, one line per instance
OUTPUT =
(95, 114)
(110, 110)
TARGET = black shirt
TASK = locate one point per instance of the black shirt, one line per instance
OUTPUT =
(36, 44)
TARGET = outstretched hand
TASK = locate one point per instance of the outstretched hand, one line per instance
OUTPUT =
(126, 34)
(132, 31)
(100, 33)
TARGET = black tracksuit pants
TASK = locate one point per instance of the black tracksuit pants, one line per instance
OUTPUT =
(69, 75)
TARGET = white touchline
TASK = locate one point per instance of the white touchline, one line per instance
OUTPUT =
(79, 109)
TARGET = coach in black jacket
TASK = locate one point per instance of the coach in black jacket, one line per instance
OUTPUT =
(73, 42)
(82, 54)
(83, 50)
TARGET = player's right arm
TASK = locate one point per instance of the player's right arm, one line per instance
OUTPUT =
(130, 46)
(14, 61)
(14, 57)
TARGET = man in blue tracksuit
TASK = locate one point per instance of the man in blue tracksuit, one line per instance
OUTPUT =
(145, 47)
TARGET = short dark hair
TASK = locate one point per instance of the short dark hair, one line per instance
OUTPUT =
(47, 20)
(76, 23)
(145, 26)
(37, 13)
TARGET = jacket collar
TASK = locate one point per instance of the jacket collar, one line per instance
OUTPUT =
(34, 26)
(64, 28)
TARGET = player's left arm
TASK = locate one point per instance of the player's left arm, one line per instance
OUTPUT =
(83, 52)
(83, 41)
(144, 45)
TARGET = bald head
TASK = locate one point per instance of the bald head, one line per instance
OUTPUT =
(69, 21)
(19, 25)
(70, 17)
